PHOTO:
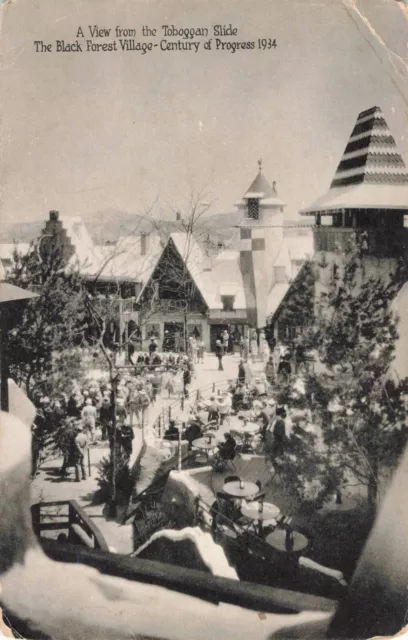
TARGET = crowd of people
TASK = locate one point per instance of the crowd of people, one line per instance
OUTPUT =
(87, 412)
(75, 420)
(249, 398)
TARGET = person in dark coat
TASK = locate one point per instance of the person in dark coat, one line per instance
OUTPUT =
(226, 451)
(172, 433)
(193, 432)
(126, 436)
(241, 372)
(106, 418)
(219, 352)
(186, 380)
(275, 435)
(152, 347)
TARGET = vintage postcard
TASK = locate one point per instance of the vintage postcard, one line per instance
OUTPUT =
(203, 319)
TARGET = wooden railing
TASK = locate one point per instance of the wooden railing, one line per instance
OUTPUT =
(381, 243)
(192, 582)
(73, 520)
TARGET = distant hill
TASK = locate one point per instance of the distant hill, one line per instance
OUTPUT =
(108, 225)
(21, 231)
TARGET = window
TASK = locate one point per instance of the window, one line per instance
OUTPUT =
(153, 331)
(253, 209)
(227, 303)
(194, 331)
(280, 274)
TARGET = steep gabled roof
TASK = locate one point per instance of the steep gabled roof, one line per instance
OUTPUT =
(191, 254)
(371, 172)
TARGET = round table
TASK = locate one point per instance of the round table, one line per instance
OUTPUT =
(249, 428)
(269, 512)
(248, 431)
(348, 503)
(204, 445)
(277, 540)
(246, 491)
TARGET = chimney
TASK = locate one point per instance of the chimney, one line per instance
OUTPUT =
(178, 216)
(54, 215)
(274, 187)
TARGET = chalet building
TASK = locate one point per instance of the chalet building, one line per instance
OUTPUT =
(176, 288)
(194, 292)
(367, 205)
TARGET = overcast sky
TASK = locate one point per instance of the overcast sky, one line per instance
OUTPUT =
(121, 130)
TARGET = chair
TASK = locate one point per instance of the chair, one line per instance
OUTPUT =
(231, 479)
(238, 439)
(229, 514)
(212, 425)
(283, 521)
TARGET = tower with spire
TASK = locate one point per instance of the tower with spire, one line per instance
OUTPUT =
(367, 199)
(365, 207)
(261, 237)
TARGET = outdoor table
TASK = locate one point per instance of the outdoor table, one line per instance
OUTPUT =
(348, 503)
(204, 445)
(248, 432)
(269, 512)
(277, 540)
(235, 489)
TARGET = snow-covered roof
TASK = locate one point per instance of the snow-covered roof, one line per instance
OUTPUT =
(360, 196)
(225, 278)
(276, 296)
(300, 247)
(125, 260)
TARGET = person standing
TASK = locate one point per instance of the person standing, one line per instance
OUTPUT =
(241, 372)
(105, 417)
(88, 415)
(275, 435)
(186, 380)
(200, 350)
(81, 447)
(225, 340)
(254, 345)
(126, 437)
(270, 370)
(152, 347)
(219, 352)
(194, 350)
(242, 347)
(212, 409)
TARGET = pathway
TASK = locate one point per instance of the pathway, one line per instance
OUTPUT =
(48, 484)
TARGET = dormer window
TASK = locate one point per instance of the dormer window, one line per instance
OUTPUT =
(253, 209)
(227, 303)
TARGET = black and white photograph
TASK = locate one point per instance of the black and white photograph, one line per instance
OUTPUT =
(203, 319)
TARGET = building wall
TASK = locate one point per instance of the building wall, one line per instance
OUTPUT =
(157, 321)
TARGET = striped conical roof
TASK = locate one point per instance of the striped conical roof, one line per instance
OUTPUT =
(371, 155)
